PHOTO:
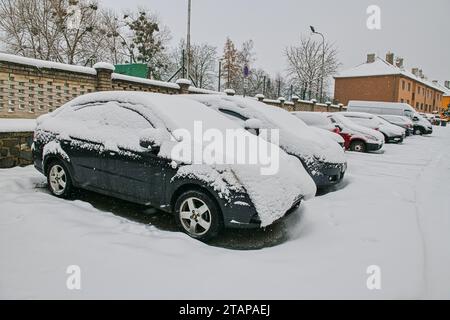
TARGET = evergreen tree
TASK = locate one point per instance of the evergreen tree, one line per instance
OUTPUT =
(231, 67)
(146, 45)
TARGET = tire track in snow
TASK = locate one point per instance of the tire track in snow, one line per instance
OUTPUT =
(432, 162)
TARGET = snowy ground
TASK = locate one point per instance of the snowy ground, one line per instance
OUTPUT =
(392, 211)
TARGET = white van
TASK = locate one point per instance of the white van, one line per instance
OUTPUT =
(421, 125)
(378, 107)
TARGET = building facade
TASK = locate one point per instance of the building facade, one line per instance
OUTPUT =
(387, 80)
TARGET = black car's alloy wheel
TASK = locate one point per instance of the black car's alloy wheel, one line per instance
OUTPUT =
(58, 179)
(198, 215)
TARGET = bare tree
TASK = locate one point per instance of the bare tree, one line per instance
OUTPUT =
(58, 30)
(203, 59)
(305, 66)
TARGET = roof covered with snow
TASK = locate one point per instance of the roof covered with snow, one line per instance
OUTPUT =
(443, 88)
(383, 68)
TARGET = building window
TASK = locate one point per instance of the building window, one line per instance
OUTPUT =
(401, 100)
(409, 86)
(403, 84)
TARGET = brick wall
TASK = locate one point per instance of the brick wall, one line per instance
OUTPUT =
(15, 149)
(28, 90)
(302, 105)
(390, 88)
(377, 88)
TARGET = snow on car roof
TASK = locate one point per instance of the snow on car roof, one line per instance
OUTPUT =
(357, 114)
(295, 136)
(175, 111)
(379, 104)
(312, 117)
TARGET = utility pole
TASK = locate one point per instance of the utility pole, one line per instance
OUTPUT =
(220, 74)
(264, 86)
(188, 40)
(279, 88)
(183, 69)
(323, 60)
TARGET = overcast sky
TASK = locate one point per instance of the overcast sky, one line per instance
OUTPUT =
(416, 30)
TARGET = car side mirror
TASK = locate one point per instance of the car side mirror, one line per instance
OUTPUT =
(253, 126)
(415, 119)
(151, 139)
(339, 127)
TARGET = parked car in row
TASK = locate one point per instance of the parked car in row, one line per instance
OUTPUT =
(323, 159)
(357, 138)
(121, 144)
(392, 133)
(434, 119)
(421, 125)
(401, 121)
(321, 122)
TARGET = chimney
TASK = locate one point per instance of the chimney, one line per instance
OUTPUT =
(390, 58)
(421, 73)
(399, 62)
(447, 84)
(415, 71)
(371, 58)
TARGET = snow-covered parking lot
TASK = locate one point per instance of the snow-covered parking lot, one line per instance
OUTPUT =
(392, 211)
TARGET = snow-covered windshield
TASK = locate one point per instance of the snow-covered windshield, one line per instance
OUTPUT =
(313, 119)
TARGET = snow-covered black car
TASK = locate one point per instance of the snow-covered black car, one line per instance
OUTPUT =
(321, 156)
(122, 144)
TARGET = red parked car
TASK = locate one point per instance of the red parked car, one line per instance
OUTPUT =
(357, 138)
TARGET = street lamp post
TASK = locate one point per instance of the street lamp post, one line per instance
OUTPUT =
(323, 61)
(188, 41)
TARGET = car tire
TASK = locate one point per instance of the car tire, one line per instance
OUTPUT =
(198, 215)
(418, 132)
(59, 180)
(358, 146)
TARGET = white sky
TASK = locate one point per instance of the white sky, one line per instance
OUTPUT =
(415, 30)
